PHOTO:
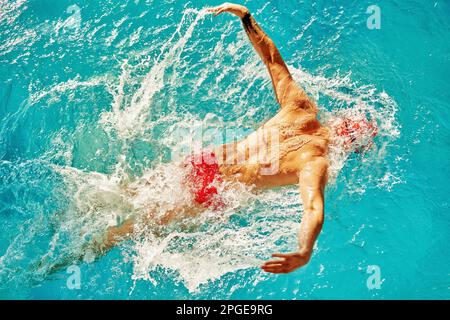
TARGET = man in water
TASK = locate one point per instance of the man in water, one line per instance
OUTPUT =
(300, 153)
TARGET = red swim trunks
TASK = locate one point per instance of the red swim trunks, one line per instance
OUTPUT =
(203, 174)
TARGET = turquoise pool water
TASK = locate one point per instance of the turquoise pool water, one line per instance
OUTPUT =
(94, 95)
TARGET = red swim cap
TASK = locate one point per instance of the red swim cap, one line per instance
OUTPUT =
(356, 130)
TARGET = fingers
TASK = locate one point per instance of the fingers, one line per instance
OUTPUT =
(281, 255)
(283, 265)
(219, 12)
(275, 266)
(276, 269)
(214, 9)
(273, 262)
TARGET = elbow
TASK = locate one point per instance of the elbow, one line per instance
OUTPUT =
(315, 214)
(319, 219)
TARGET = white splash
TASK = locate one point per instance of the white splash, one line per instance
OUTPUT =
(204, 248)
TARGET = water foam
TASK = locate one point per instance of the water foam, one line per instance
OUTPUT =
(204, 248)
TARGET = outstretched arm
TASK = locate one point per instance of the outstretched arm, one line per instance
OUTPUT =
(312, 182)
(287, 91)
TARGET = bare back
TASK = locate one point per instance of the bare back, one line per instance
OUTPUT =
(290, 140)
(275, 154)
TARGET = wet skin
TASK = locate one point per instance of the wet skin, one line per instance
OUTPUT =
(301, 151)
(295, 154)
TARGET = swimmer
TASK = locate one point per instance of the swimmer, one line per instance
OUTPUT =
(298, 153)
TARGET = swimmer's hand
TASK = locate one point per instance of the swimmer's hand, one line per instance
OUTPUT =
(288, 262)
(232, 8)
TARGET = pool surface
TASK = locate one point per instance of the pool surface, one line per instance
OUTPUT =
(95, 96)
